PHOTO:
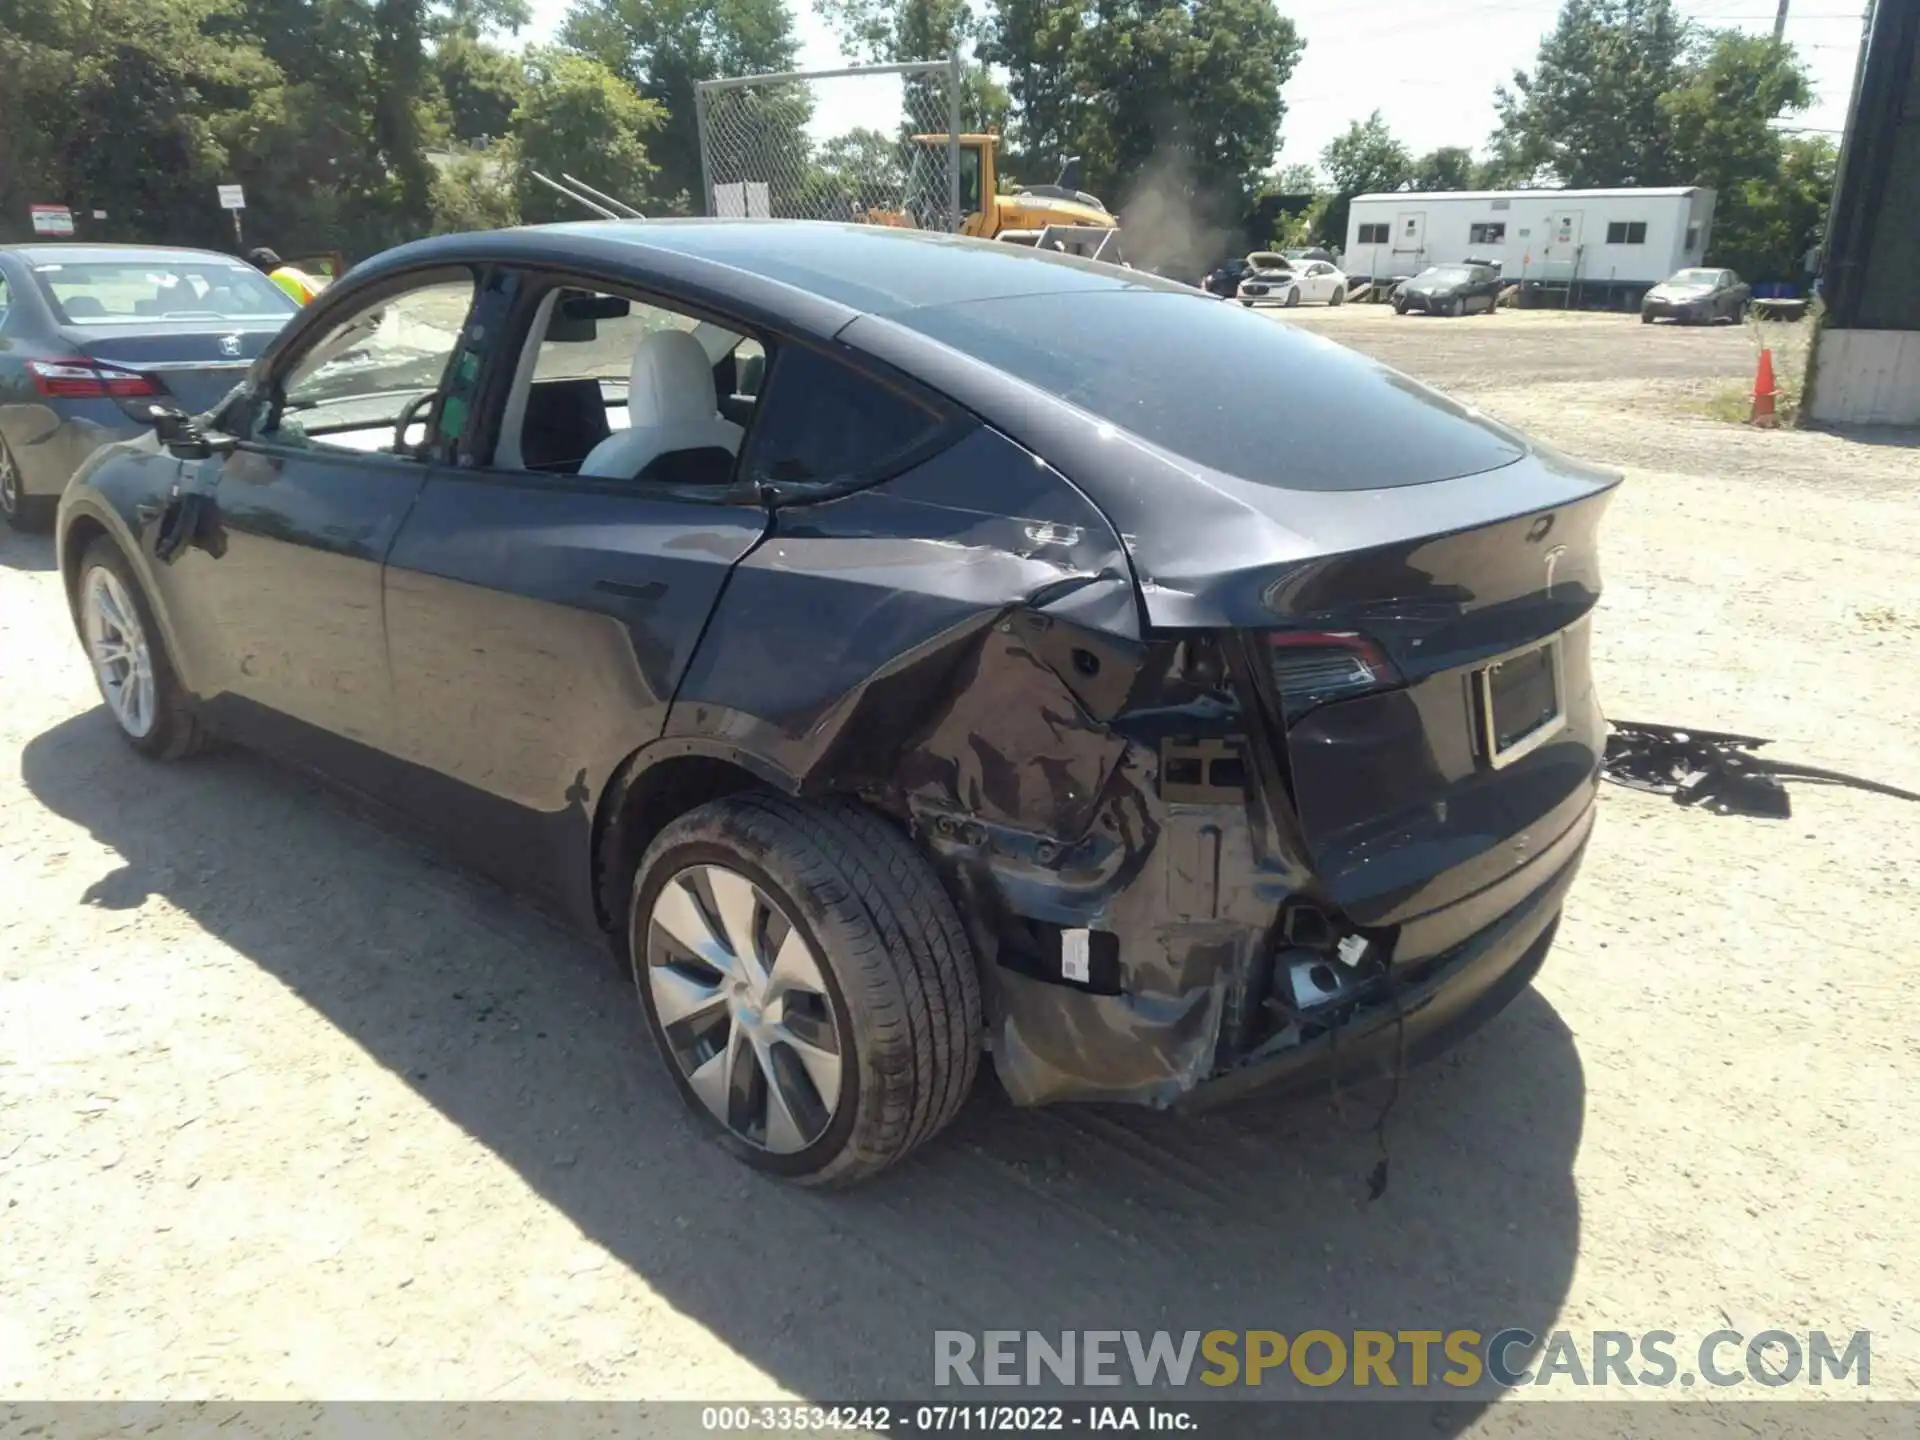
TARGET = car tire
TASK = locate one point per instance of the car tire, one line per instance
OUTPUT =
(142, 693)
(1399, 307)
(1293, 297)
(1645, 318)
(1339, 295)
(883, 966)
(1456, 308)
(18, 509)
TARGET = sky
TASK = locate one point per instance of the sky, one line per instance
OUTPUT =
(1429, 66)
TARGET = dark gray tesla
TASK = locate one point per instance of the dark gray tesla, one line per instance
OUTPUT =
(92, 335)
(901, 646)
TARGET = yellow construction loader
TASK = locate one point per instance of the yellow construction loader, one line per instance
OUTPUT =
(1059, 214)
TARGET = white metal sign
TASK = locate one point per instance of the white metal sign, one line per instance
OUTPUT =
(232, 197)
(51, 219)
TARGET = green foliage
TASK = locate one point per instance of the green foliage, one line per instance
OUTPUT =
(663, 47)
(578, 118)
(473, 192)
(1590, 113)
(1448, 168)
(482, 85)
(1766, 226)
(1364, 159)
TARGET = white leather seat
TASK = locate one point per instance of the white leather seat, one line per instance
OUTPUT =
(670, 406)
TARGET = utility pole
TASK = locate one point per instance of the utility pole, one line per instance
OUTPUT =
(1780, 23)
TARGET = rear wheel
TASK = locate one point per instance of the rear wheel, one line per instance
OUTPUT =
(17, 508)
(807, 982)
(1339, 295)
(130, 663)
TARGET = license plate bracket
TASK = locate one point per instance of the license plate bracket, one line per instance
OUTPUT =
(1520, 700)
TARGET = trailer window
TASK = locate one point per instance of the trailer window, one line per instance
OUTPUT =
(1627, 232)
(1693, 237)
(1372, 235)
(1494, 233)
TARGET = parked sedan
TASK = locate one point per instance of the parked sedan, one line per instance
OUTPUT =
(1697, 297)
(1224, 279)
(1275, 280)
(775, 599)
(92, 335)
(1450, 290)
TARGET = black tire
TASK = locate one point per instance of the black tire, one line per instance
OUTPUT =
(1456, 308)
(1399, 307)
(18, 509)
(177, 730)
(1339, 296)
(1293, 297)
(1247, 303)
(900, 970)
(1645, 318)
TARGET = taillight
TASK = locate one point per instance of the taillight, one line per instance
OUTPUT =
(88, 380)
(1312, 668)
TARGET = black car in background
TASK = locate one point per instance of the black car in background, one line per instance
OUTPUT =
(91, 336)
(1450, 290)
(893, 645)
(1697, 297)
(1224, 279)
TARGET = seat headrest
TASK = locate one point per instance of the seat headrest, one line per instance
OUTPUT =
(671, 381)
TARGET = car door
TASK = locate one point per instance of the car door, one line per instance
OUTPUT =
(539, 620)
(281, 618)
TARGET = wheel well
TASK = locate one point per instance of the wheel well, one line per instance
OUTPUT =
(82, 533)
(637, 807)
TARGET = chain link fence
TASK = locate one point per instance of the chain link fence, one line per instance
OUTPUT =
(877, 144)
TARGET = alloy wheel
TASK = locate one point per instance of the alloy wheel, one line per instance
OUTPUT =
(744, 1004)
(117, 645)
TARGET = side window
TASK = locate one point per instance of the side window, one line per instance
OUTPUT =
(821, 421)
(352, 389)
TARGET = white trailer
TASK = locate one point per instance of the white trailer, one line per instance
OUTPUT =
(1563, 247)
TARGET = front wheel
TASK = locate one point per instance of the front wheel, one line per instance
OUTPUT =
(807, 982)
(1293, 297)
(1645, 318)
(130, 662)
(1456, 308)
(1399, 307)
(1247, 303)
(1339, 296)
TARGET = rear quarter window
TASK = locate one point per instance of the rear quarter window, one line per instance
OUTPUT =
(822, 422)
(1227, 388)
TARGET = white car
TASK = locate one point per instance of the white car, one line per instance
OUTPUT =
(1276, 280)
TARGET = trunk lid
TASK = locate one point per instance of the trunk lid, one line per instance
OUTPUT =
(1487, 751)
(196, 365)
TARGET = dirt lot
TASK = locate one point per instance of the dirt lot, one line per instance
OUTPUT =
(287, 1108)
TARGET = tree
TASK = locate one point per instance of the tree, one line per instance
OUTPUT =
(579, 118)
(1364, 159)
(1767, 227)
(1448, 168)
(1722, 114)
(663, 47)
(1590, 113)
(481, 83)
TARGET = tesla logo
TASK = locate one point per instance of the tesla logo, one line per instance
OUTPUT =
(229, 344)
(1553, 559)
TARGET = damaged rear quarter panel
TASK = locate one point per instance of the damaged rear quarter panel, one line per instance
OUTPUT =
(961, 647)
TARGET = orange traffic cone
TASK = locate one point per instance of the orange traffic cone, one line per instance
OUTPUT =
(1763, 392)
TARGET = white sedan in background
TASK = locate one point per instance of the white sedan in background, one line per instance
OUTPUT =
(1276, 280)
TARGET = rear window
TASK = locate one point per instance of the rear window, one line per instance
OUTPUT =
(124, 291)
(1226, 388)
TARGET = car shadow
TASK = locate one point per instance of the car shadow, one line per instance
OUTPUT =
(28, 551)
(1254, 1217)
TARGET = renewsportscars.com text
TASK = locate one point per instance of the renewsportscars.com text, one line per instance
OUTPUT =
(1399, 1359)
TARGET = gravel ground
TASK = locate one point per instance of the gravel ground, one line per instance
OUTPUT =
(287, 1108)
